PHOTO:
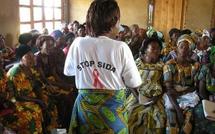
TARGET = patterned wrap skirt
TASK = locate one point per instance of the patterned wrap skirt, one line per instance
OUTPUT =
(99, 111)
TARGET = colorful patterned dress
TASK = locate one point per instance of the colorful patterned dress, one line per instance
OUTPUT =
(6, 106)
(147, 119)
(201, 124)
(29, 116)
(182, 79)
(98, 111)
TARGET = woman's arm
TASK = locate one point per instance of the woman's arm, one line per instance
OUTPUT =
(30, 99)
(172, 95)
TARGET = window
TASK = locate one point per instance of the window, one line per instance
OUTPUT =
(39, 14)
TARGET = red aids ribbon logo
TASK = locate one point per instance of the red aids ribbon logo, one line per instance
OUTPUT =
(97, 83)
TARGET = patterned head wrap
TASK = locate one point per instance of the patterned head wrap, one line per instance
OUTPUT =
(185, 37)
(21, 51)
(205, 33)
(56, 34)
(25, 38)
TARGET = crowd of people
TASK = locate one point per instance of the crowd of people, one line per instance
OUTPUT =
(124, 79)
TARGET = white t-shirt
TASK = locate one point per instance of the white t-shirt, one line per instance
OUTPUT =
(101, 63)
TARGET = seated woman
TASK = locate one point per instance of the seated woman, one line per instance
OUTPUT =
(6, 106)
(180, 97)
(28, 115)
(206, 84)
(50, 62)
(146, 112)
(202, 51)
(8, 53)
(48, 59)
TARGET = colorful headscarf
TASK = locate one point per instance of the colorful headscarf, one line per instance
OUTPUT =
(205, 33)
(56, 34)
(151, 32)
(185, 37)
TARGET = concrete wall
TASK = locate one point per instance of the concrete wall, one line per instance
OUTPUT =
(9, 20)
(199, 14)
(132, 11)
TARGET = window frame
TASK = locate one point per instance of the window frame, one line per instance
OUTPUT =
(43, 19)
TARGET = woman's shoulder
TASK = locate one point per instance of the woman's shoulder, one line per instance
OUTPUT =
(14, 70)
(169, 66)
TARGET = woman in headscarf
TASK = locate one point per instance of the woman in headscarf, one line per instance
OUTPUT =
(206, 85)
(147, 114)
(181, 95)
(59, 39)
(28, 115)
(7, 52)
(202, 51)
(50, 64)
(6, 93)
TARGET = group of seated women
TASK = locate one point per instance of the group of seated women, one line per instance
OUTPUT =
(37, 97)
(176, 77)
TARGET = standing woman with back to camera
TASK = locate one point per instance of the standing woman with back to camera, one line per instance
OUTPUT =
(103, 68)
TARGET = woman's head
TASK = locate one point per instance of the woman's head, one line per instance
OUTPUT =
(64, 28)
(174, 34)
(151, 48)
(102, 17)
(69, 38)
(81, 31)
(45, 44)
(184, 45)
(205, 39)
(75, 26)
(25, 38)
(25, 55)
(135, 29)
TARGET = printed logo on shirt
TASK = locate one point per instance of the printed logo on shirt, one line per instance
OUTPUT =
(96, 82)
(99, 64)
